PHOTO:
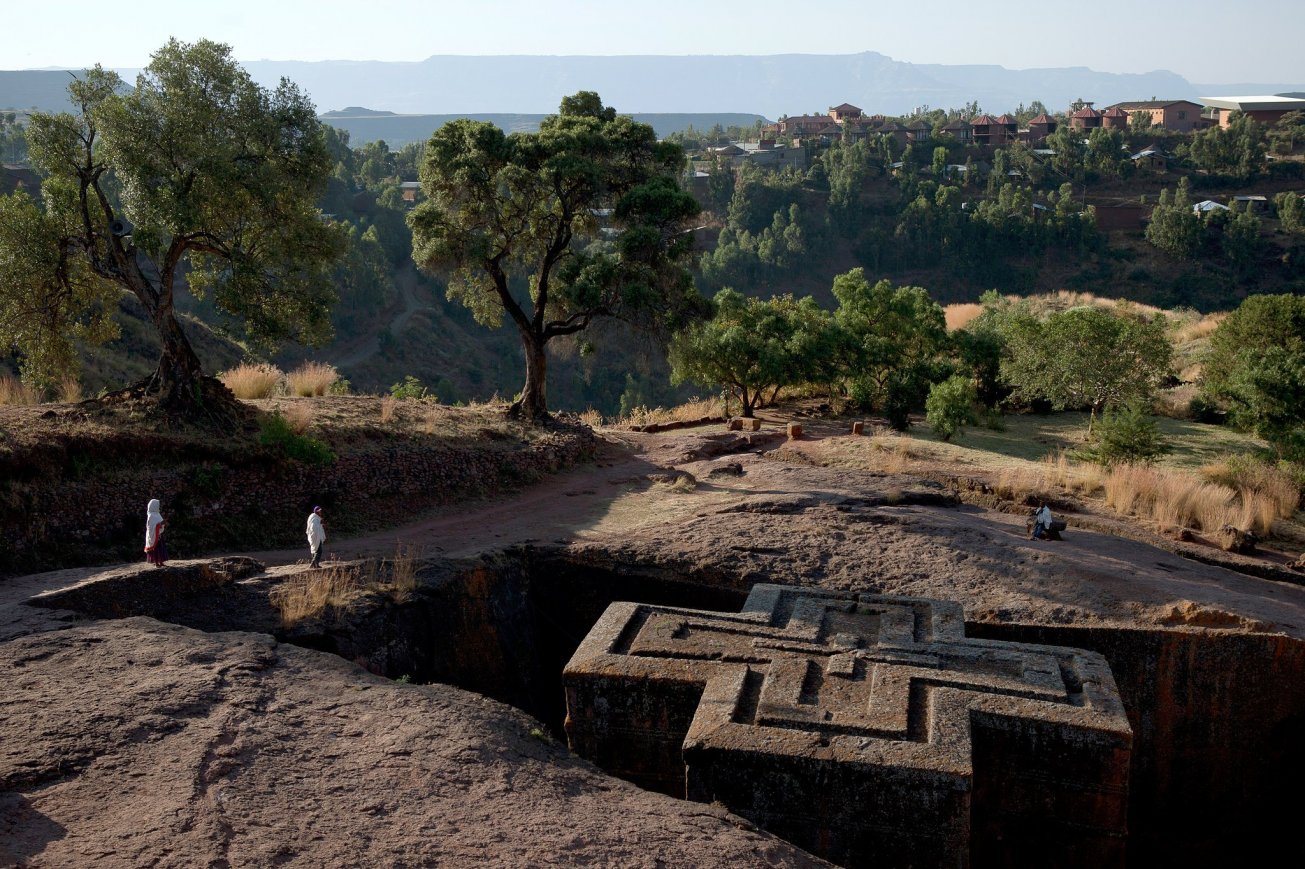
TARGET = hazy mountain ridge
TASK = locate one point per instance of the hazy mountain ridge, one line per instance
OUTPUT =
(397, 130)
(768, 85)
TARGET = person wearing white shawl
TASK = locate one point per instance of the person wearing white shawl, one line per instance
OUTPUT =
(156, 553)
(316, 535)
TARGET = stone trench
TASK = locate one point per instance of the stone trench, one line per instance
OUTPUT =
(1218, 747)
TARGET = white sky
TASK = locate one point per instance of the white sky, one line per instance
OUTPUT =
(1206, 41)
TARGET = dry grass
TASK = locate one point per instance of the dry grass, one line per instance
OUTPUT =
(70, 391)
(299, 417)
(1022, 485)
(1271, 485)
(249, 381)
(591, 418)
(1176, 403)
(1178, 499)
(1199, 329)
(1059, 470)
(307, 595)
(687, 412)
(403, 569)
(389, 405)
(961, 315)
(311, 379)
(14, 391)
(683, 484)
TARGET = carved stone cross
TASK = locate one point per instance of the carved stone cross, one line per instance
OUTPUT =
(867, 729)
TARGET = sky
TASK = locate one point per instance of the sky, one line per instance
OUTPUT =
(1205, 41)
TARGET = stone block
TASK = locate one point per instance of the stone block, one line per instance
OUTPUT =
(794, 430)
(734, 424)
(866, 729)
(858, 428)
(752, 424)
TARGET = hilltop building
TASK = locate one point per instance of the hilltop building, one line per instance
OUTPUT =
(1265, 109)
(1183, 116)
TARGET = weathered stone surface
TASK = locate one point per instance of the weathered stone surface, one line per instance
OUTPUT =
(794, 430)
(858, 428)
(867, 729)
(735, 424)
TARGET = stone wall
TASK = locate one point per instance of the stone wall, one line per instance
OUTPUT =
(82, 500)
(1218, 724)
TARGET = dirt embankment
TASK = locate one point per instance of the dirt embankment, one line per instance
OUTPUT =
(73, 489)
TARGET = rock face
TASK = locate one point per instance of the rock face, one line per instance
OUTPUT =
(865, 728)
(136, 743)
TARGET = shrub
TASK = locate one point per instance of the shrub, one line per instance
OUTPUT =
(1128, 435)
(411, 387)
(312, 378)
(276, 431)
(340, 387)
(14, 391)
(950, 406)
(249, 381)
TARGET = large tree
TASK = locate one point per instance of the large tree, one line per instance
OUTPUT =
(1256, 369)
(583, 219)
(197, 174)
(891, 337)
(1086, 357)
(755, 346)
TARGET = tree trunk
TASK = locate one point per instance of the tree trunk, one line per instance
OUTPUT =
(177, 379)
(747, 403)
(533, 404)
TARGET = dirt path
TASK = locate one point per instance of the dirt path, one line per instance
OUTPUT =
(830, 526)
(409, 306)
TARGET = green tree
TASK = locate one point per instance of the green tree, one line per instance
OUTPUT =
(527, 207)
(1291, 210)
(1086, 357)
(1130, 435)
(1242, 244)
(196, 171)
(754, 346)
(1256, 369)
(891, 338)
(950, 406)
(1174, 227)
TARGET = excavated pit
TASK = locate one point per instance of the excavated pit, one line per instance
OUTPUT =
(1218, 717)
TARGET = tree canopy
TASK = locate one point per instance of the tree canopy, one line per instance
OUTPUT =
(1256, 368)
(1086, 357)
(586, 213)
(751, 346)
(196, 171)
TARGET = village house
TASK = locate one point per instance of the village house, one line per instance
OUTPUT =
(1151, 159)
(845, 112)
(987, 130)
(959, 130)
(1086, 118)
(1182, 116)
(1039, 129)
(1114, 119)
(766, 154)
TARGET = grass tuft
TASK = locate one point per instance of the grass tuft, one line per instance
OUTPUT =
(250, 381)
(14, 391)
(312, 379)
